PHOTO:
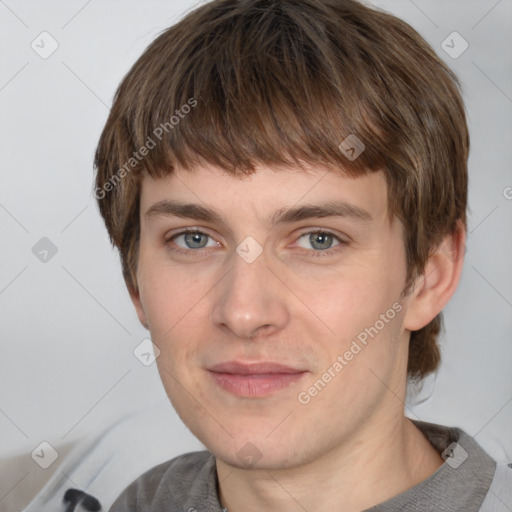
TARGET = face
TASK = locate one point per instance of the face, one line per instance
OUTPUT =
(275, 301)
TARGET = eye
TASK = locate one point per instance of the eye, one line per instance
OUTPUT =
(193, 239)
(319, 240)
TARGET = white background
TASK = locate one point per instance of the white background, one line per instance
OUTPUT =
(68, 329)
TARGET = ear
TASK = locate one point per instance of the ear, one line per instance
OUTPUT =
(135, 296)
(435, 287)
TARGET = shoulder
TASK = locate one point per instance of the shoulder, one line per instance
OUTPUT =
(188, 477)
(499, 495)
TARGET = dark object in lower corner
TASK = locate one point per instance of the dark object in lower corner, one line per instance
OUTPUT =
(73, 497)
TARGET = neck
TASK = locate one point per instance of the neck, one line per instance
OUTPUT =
(380, 462)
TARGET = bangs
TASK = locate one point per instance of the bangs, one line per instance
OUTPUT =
(251, 88)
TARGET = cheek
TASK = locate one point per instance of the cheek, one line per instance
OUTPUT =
(177, 309)
(364, 310)
(168, 293)
(349, 300)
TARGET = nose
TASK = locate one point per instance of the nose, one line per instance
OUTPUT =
(250, 300)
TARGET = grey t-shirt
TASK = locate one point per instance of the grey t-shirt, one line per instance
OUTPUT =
(468, 481)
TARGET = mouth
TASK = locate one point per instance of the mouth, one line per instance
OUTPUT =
(254, 379)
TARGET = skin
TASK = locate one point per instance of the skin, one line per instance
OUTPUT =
(350, 447)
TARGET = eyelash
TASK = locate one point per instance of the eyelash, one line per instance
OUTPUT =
(313, 253)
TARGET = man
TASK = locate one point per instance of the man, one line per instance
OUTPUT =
(286, 183)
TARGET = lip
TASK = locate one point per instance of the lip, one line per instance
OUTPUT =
(259, 368)
(254, 379)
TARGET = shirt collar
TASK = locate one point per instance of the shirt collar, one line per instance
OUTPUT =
(460, 483)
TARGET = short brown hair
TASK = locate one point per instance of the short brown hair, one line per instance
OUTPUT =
(282, 82)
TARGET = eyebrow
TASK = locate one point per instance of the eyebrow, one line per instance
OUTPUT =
(281, 216)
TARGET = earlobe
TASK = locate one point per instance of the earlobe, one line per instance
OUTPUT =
(435, 287)
(135, 296)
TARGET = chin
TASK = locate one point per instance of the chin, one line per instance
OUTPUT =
(256, 449)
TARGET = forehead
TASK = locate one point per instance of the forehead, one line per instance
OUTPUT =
(267, 190)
